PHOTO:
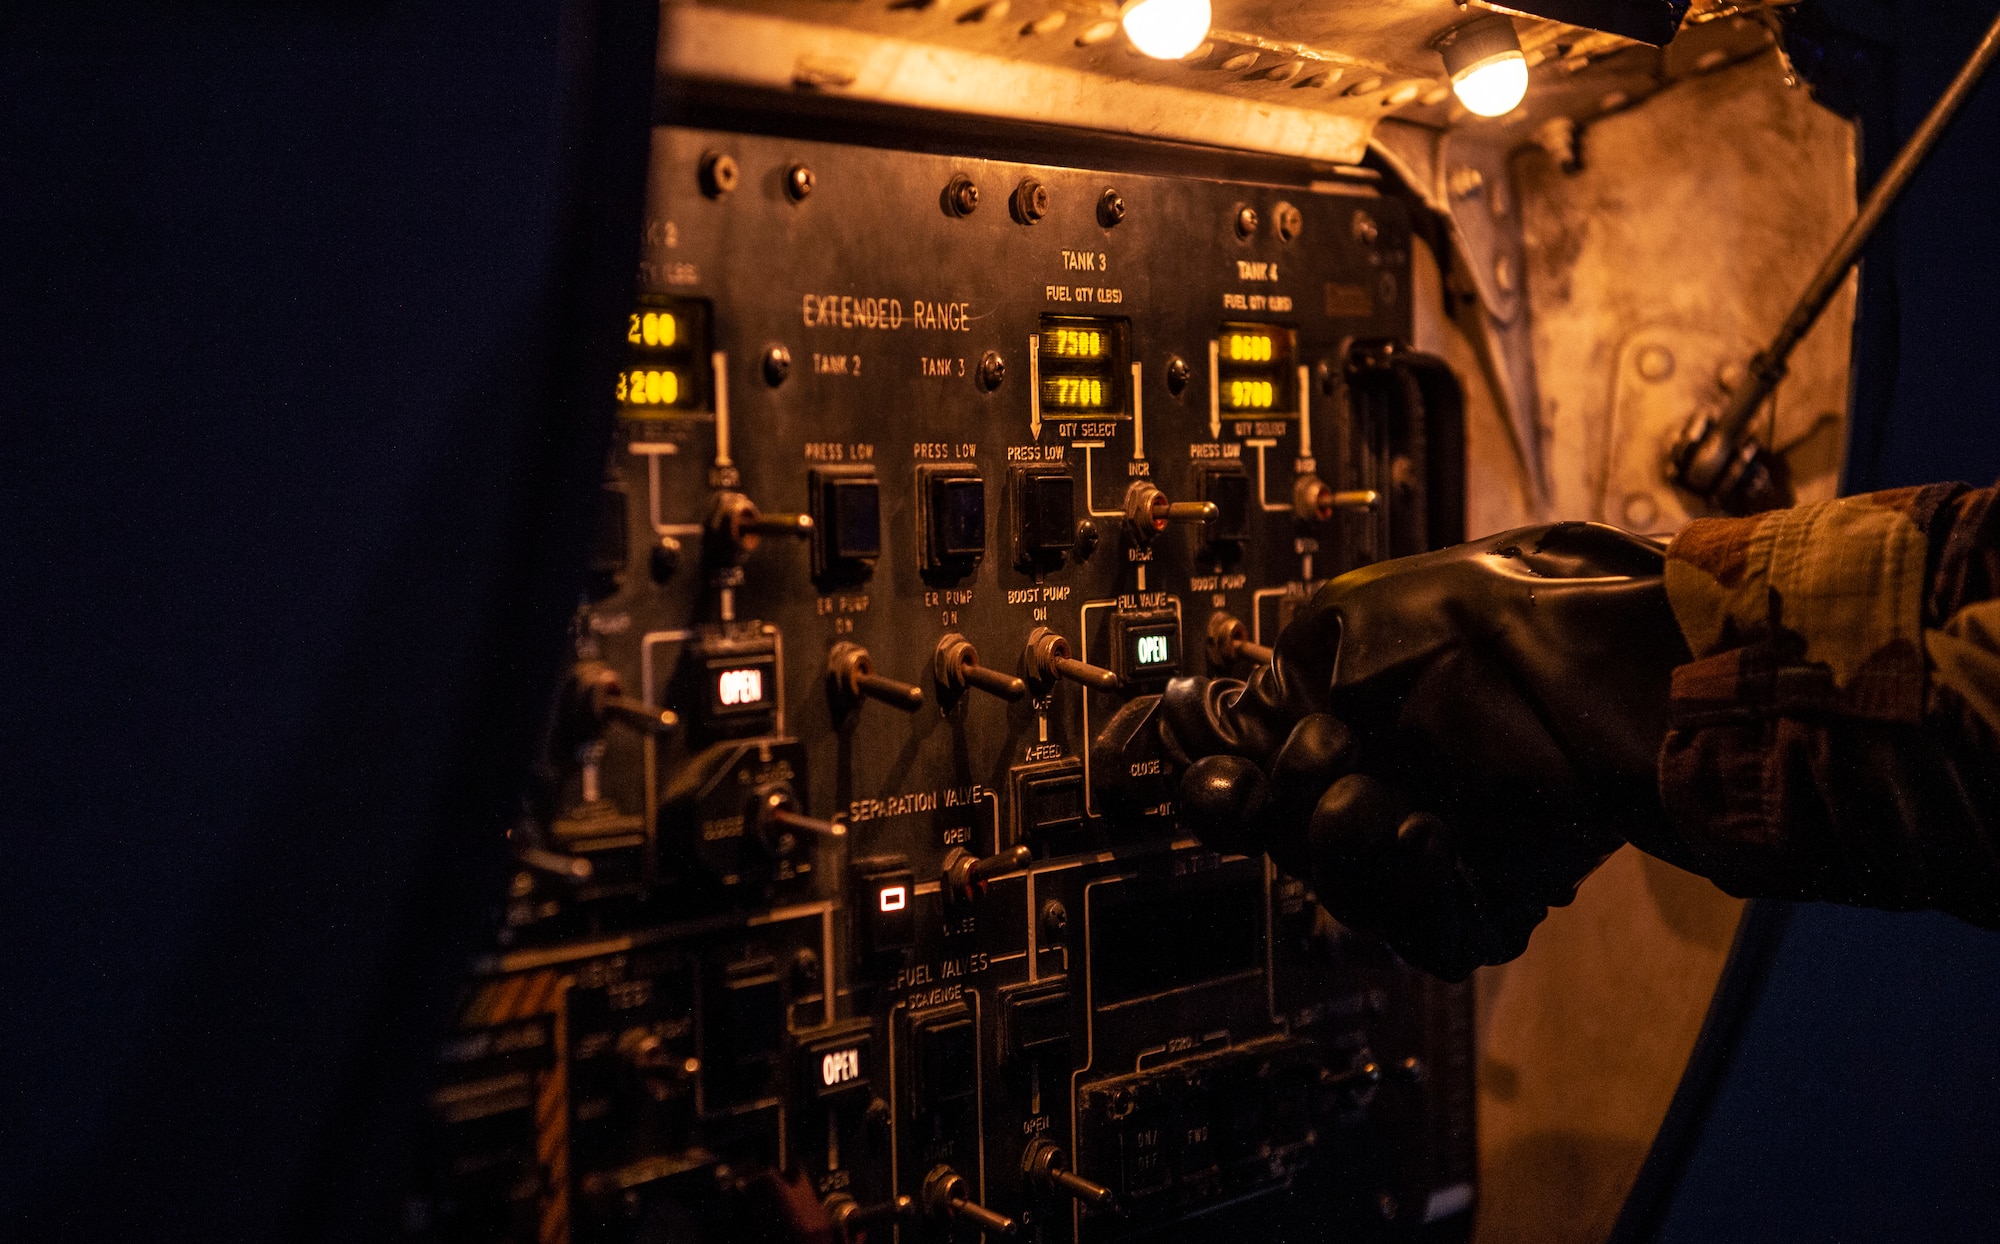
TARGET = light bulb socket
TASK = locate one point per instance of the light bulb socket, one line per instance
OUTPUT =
(1467, 46)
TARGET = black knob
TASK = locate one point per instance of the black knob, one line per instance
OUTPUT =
(948, 1199)
(956, 664)
(736, 526)
(853, 675)
(1046, 1167)
(1228, 640)
(1048, 659)
(1147, 511)
(966, 874)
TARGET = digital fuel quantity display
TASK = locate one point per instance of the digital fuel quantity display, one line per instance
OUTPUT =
(1256, 369)
(666, 371)
(1083, 365)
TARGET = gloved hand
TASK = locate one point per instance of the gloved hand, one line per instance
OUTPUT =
(1445, 744)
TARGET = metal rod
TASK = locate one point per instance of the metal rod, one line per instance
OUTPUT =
(1768, 367)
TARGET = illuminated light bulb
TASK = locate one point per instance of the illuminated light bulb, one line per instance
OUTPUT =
(1483, 58)
(1493, 88)
(1167, 29)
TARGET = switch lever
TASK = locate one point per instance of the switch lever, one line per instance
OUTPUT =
(1049, 659)
(601, 697)
(947, 1199)
(965, 874)
(852, 1220)
(1046, 1167)
(1147, 511)
(853, 674)
(1314, 502)
(957, 667)
(1228, 640)
(736, 526)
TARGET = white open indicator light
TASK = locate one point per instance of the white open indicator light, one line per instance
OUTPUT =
(839, 1067)
(735, 687)
(1152, 649)
(895, 897)
(1167, 29)
(1488, 72)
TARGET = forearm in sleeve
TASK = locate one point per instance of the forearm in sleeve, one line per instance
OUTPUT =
(1837, 734)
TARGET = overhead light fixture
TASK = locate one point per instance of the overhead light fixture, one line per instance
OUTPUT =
(1167, 29)
(1488, 73)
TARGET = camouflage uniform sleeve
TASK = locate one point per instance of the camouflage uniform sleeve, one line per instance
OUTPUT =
(1837, 734)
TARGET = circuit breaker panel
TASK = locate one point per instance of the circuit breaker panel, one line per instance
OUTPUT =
(826, 926)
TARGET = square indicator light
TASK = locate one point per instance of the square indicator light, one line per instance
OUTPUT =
(951, 516)
(1228, 489)
(1146, 646)
(885, 919)
(734, 689)
(837, 1067)
(1045, 514)
(847, 520)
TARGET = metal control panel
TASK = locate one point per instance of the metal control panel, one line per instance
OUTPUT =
(828, 920)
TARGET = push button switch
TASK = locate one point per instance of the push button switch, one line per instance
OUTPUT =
(884, 913)
(952, 517)
(1045, 516)
(947, 1058)
(847, 521)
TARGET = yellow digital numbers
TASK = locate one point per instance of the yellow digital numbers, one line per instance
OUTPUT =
(656, 330)
(1073, 392)
(1075, 343)
(647, 387)
(1248, 347)
(1250, 395)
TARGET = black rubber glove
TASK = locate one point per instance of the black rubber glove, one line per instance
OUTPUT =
(1446, 744)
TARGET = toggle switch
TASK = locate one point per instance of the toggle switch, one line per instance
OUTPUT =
(966, 874)
(1046, 1168)
(1048, 659)
(1228, 640)
(956, 664)
(947, 1199)
(852, 1221)
(598, 699)
(1314, 502)
(852, 673)
(777, 823)
(736, 526)
(1147, 511)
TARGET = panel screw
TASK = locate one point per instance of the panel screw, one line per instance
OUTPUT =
(1326, 377)
(1055, 920)
(718, 174)
(777, 365)
(1177, 375)
(992, 370)
(1246, 222)
(1110, 208)
(805, 969)
(1288, 220)
(799, 182)
(1363, 228)
(961, 197)
(1030, 202)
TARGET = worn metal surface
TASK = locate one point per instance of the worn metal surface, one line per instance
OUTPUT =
(1278, 76)
(1664, 258)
